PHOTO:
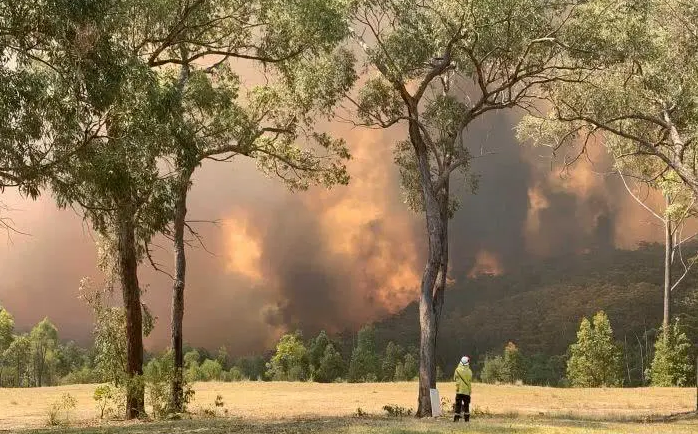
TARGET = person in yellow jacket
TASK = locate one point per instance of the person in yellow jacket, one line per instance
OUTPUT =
(463, 378)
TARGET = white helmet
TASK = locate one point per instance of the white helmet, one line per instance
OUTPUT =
(465, 360)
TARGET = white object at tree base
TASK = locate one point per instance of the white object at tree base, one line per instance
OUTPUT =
(435, 403)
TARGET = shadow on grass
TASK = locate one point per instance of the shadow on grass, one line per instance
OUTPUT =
(373, 425)
(490, 424)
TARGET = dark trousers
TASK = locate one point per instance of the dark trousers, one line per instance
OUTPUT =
(462, 404)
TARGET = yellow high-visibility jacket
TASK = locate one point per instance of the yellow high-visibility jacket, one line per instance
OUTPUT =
(463, 378)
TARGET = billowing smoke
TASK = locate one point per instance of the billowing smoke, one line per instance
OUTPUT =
(325, 259)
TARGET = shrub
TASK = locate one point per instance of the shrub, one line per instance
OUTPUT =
(514, 369)
(84, 375)
(364, 364)
(211, 370)
(397, 411)
(66, 403)
(331, 365)
(104, 397)
(290, 362)
(158, 375)
(360, 413)
(672, 365)
(235, 374)
(493, 370)
(595, 359)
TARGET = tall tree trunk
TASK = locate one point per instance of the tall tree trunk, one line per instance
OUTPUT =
(668, 252)
(440, 288)
(177, 391)
(128, 271)
(427, 314)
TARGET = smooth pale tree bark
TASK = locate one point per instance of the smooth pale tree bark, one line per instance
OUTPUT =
(128, 273)
(668, 255)
(436, 231)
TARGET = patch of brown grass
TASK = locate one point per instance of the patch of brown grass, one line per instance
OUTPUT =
(289, 401)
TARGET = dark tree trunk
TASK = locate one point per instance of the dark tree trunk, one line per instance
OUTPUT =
(128, 271)
(668, 252)
(177, 391)
(427, 306)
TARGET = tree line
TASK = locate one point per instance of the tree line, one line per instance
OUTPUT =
(597, 359)
(113, 106)
(38, 358)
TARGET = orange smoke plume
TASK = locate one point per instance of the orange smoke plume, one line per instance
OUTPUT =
(486, 264)
(243, 247)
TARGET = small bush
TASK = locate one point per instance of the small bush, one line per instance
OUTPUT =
(397, 411)
(493, 370)
(447, 405)
(158, 374)
(480, 412)
(213, 411)
(673, 362)
(105, 399)
(66, 403)
(235, 374)
(360, 413)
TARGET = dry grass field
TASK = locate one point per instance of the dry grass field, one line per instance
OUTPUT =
(255, 407)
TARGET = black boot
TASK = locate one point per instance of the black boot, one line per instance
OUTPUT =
(456, 418)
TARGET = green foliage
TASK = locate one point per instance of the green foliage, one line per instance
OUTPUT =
(235, 374)
(364, 364)
(326, 363)
(290, 361)
(222, 357)
(394, 354)
(410, 368)
(44, 342)
(422, 54)
(595, 359)
(316, 349)
(673, 362)
(191, 358)
(18, 356)
(253, 368)
(104, 398)
(642, 104)
(84, 375)
(493, 370)
(507, 368)
(210, 370)
(7, 327)
(192, 370)
(544, 370)
(70, 358)
(331, 367)
(514, 367)
(109, 333)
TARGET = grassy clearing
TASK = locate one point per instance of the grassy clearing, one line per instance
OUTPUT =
(328, 408)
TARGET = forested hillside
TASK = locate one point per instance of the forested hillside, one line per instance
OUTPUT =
(539, 306)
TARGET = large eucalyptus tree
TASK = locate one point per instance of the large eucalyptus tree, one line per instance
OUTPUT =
(437, 67)
(208, 59)
(641, 105)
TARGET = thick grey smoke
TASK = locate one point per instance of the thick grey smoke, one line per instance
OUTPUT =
(319, 259)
